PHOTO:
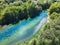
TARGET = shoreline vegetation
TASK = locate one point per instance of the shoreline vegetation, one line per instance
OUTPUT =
(12, 13)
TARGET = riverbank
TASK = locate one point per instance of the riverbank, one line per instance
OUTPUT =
(4, 26)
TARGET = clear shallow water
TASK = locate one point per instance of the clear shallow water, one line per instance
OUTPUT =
(22, 30)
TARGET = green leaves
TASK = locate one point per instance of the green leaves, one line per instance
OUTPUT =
(15, 13)
(55, 7)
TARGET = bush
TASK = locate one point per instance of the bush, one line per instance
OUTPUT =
(55, 7)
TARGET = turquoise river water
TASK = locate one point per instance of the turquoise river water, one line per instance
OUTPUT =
(22, 30)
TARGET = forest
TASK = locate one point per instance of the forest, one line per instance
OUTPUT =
(13, 11)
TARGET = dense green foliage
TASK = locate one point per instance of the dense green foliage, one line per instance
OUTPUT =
(55, 8)
(50, 33)
(12, 11)
(16, 13)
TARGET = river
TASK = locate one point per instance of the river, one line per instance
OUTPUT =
(22, 30)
